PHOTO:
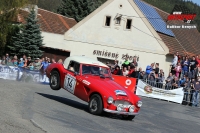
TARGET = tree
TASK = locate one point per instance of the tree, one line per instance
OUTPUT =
(78, 9)
(14, 37)
(28, 39)
(8, 11)
(32, 37)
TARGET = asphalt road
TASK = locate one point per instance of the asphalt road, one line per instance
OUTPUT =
(35, 108)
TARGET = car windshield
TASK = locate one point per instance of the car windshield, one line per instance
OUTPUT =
(95, 70)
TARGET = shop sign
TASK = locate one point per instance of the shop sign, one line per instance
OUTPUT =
(113, 55)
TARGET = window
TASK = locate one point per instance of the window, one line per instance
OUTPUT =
(118, 20)
(74, 66)
(128, 23)
(108, 19)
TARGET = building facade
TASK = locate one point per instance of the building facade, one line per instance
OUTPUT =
(106, 36)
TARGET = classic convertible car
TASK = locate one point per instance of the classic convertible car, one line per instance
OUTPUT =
(91, 81)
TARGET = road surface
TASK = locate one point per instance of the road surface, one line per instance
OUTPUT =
(35, 108)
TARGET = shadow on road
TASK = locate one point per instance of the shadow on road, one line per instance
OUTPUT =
(66, 101)
(76, 104)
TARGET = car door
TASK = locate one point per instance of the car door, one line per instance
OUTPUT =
(70, 79)
(81, 89)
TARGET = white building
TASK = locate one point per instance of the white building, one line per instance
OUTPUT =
(100, 36)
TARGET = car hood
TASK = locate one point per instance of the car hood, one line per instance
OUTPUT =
(111, 88)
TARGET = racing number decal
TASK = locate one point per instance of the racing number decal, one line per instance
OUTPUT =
(70, 83)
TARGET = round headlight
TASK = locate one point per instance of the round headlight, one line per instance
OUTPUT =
(131, 108)
(110, 100)
(120, 107)
(139, 104)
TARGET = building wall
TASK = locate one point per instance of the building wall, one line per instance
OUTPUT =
(94, 51)
(91, 38)
(93, 30)
(52, 41)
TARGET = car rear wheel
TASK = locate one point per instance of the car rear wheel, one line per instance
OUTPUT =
(95, 105)
(55, 80)
(129, 117)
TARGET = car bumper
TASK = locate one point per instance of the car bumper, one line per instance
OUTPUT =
(118, 112)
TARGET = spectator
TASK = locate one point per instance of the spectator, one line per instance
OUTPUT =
(186, 66)
(124, 71)
(44, 66)
(113, 68)
(7, 57)
(3, 61)
(37, 64)
(24, 60)
(132, 72)
(156, 69)
(31, 67)
(49, 60)
(182, 66)
(53, 60)
(0, 60)
(28, 61)
(198, 66)
(178, 70)
(9, 62)
(15, 61)
(126, 63)
(179, 57)
(117, 71)
(149, 69)
(152, 78)
(182, 81)
(108, 64)
(187, 90)
(135, 62)
(196, 87)
(60, 61)
(140, 73)
(20, 63)
(42, 60)
(169, 81)
(160, 79)
(173, 65)
(193, 67)
(175, 83)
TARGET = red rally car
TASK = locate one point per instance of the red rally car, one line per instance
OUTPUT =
(91, 81)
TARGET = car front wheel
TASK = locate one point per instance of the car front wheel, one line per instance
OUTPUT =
(129, 117)
(55, 80)
(95, 105)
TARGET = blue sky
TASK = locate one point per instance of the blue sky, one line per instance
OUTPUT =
(196, 1)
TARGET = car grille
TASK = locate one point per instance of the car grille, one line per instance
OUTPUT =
(125, 103)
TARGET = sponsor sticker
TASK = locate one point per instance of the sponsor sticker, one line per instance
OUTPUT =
(120, 92)
(86, 82)
(128, 82)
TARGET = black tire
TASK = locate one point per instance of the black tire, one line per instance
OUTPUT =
(95, 108)
(129, 117)
(55, 84)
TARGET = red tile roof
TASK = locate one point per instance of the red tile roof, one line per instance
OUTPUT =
(49, 21)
